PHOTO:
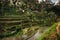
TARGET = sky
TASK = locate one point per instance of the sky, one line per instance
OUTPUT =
(53, 0)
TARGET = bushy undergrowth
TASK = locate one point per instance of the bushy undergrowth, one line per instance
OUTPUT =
(44, 18)
(50, 30)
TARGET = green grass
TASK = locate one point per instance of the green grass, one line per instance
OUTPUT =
(8, 34)
(49, 31)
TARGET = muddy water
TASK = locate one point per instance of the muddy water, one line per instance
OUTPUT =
(38, 34)
(23, 37)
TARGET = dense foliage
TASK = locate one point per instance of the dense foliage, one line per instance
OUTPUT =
(29, 11)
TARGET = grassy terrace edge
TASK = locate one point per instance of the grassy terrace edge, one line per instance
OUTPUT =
(50, 30)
